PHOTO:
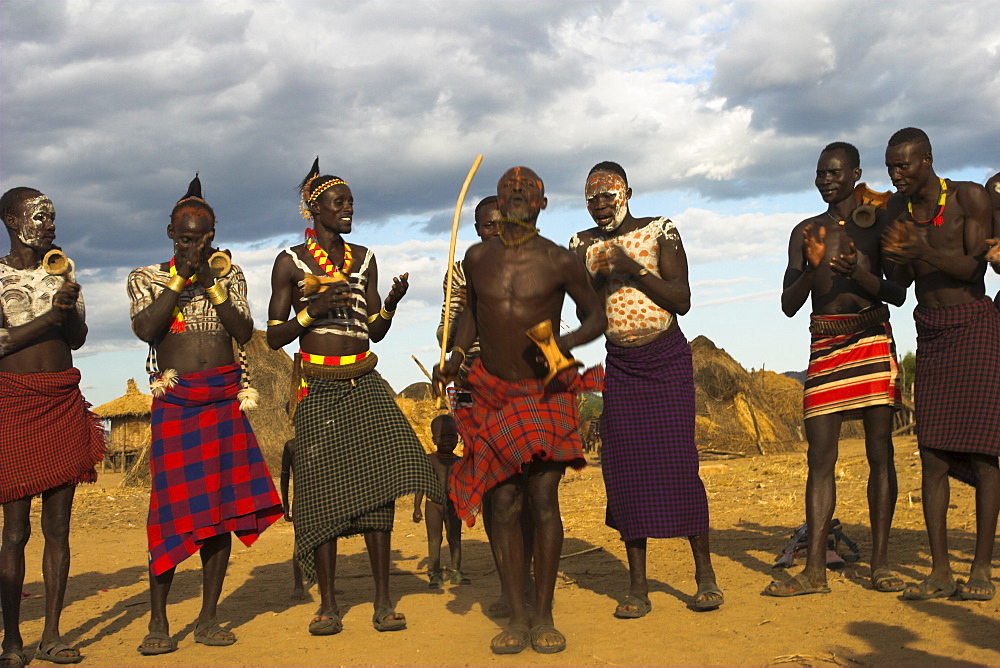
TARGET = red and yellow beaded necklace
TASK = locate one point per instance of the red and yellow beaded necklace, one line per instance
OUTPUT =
(938, 219)
(323, 259)
(177, 324)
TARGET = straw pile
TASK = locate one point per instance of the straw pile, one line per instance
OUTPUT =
(737, 410)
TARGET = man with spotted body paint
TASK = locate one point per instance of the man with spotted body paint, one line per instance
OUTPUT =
(648, 457)
(49, 440)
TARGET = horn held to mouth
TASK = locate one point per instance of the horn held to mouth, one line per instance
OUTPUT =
(55, 262)
(220, 263)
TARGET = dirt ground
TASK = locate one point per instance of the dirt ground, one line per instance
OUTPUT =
(756, 502)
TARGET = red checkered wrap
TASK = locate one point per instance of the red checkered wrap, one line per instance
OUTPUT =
(48, 436)
(208, 474)
(512, 423)
(956, 394)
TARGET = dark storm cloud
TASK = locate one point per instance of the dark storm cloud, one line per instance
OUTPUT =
(110, 107)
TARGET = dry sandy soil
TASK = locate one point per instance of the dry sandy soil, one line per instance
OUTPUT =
(756, 503)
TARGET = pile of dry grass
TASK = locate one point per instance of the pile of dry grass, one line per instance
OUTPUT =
(739, 410)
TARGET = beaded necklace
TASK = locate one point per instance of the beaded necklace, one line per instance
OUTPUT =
(323, 259)
(519, 240)
(938, 219)
(177, 325)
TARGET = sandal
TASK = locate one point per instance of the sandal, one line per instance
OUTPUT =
(928, 589)
(436, 580)
(153, 644)
(213, 635)
(459, 578)
(52, 652)
(701, 600)
(640, 603)
(326, 625)
(14, 657)
(518, 632)
(383, 620)
(989, 590)
(547, 629)
(799, 585)
(885, 580)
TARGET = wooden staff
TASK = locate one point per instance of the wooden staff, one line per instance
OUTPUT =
(451, 266)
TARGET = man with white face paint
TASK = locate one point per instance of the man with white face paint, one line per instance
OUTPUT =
(648, 456)
(49, 441)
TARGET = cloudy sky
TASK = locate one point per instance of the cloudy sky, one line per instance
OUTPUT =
(717, 110)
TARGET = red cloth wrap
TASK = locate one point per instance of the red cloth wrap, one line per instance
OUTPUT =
(48, 436)
(512, 423)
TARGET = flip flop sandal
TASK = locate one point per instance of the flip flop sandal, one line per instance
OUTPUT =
(213, 635)
(382, 621)
(799, 585)
(641, 604)
(518, 632)
(704, 589)
(436, 580)
(326, 625)
(459, 578)
(149, 649)
(14, 657)
(965, 595)
(538, 631)
(928, 589)
(884, 580)
(50, 652)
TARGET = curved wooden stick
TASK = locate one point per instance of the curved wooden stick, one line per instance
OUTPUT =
(451, 265)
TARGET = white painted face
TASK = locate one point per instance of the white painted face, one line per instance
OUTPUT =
(36, 228)
(607, 199)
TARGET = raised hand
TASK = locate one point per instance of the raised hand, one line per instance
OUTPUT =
(400, 284)
(63, 301)
(993, 252)
(814, 245)
(902, 242)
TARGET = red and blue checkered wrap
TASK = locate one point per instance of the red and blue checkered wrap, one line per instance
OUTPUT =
(511, 423)
(208, 474)
(648, 455)
(956, 394)
(48, 437)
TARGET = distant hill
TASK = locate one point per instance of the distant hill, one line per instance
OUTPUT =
(796, 375)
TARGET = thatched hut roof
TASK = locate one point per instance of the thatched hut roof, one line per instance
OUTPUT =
(132, 403)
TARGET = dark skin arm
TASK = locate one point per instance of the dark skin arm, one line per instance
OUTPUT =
(465, 332)
(287, 465)
(593, 320)
(806, 251)
(670, 290)
(286, 295)
(847, 265)
(905, 243)
(378, 328)
(62, 320)
(151, 324)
